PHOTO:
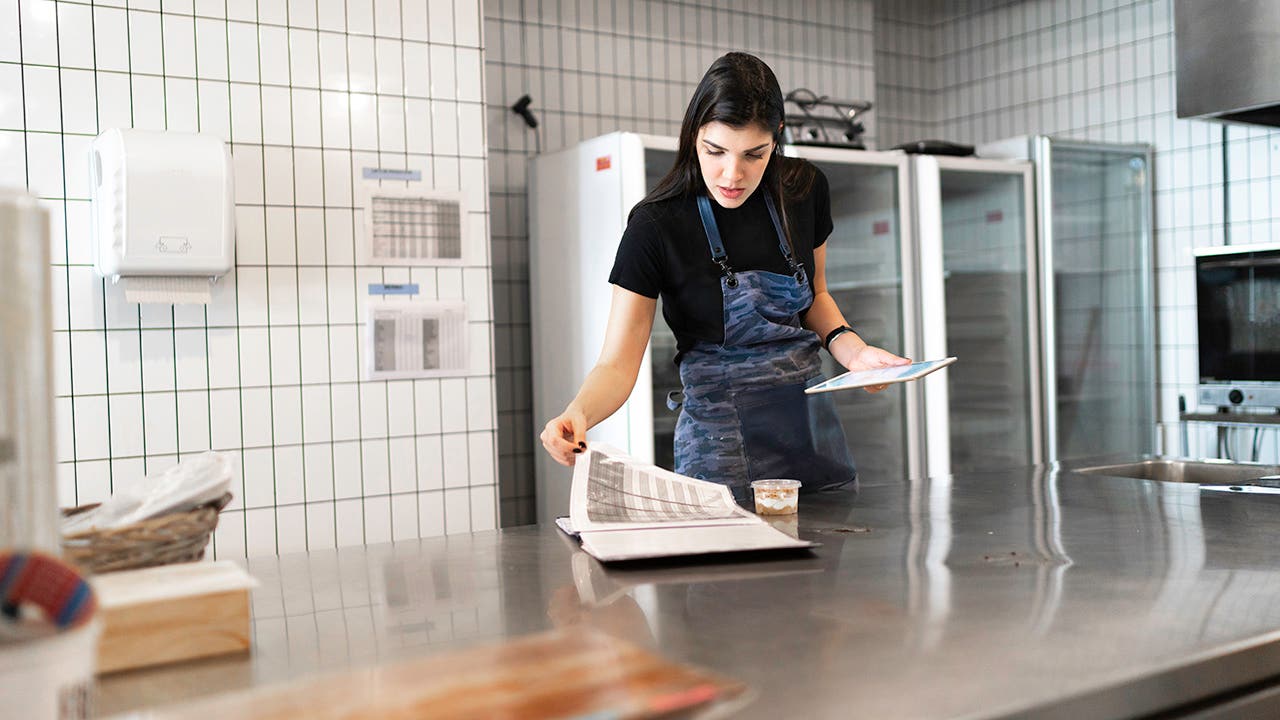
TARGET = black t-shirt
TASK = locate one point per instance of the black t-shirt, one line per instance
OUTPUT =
(664, 252)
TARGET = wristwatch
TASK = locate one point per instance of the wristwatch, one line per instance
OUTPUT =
(835, 334)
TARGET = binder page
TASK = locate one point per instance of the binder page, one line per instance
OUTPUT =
(614, 491)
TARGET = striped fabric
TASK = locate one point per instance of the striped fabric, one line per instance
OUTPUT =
(45, 582)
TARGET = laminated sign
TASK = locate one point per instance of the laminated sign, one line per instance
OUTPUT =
(416, 340)
(412, 227)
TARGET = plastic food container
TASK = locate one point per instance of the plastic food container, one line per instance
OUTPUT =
(51, 678)
(776, 497)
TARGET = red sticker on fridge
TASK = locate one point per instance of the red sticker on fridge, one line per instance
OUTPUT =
(604, 162)
(880, 227)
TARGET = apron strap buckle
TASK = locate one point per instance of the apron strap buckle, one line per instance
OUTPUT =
(675, 400)
(727, 271)
(796, 269)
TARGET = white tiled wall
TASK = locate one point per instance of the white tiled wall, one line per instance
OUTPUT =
(598, 66)
(906, 76)
(308, 94)
(982, 70)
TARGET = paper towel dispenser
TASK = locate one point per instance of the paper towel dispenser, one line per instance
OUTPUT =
(163, 204)
(1228, 54)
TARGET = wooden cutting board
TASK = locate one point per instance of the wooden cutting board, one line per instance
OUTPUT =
(571, 673)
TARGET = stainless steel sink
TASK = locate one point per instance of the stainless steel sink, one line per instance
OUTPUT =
(1203, 472)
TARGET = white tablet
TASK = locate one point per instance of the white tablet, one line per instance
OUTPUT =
(880, 376)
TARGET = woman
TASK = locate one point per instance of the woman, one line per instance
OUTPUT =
(732, 240)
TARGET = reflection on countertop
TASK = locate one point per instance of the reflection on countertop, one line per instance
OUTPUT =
(983, 594)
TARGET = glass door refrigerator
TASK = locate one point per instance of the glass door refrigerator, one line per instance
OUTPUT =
(871, 274)
(869, 260)
(1096, 274)
(975, 223)
(1098, 307)
(579, 201)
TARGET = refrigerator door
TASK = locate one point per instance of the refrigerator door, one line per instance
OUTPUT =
(979, 303)
(868, 257)
(665, 377)
(1096, 252)
(579, 199)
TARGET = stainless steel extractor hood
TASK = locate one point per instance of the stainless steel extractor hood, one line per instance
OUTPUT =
(1229, 60)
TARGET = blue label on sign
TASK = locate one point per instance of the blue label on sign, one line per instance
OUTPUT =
(384, 174)
(406, 289)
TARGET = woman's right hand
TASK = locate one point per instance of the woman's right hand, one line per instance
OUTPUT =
(607, 386)
(564, 437)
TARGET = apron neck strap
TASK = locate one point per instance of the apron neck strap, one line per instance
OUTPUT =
(721, 257)
(713, 239)
(777, 226)
(713, 231)
(783, 243)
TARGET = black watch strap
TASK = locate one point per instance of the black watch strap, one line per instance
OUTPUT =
(835, 334)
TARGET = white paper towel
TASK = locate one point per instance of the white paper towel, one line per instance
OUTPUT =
(189, 290)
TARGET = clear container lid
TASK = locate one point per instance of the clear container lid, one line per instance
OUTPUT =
(775, 484)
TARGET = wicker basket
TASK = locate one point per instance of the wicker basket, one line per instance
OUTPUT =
(173, 538)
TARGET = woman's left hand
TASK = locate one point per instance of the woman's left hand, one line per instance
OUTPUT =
(856, 355)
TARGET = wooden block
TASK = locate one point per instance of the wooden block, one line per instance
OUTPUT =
(172, 613)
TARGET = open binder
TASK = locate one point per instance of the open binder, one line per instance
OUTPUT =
(624, 509)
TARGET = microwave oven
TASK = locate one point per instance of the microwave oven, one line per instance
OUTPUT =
(1238, 315)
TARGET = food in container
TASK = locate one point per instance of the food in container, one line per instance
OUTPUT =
(776, 497)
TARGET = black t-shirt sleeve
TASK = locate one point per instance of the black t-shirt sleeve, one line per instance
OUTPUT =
(822, 225)
(639, 264)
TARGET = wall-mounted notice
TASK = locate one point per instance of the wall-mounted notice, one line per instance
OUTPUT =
(415, 339)
(412, 227)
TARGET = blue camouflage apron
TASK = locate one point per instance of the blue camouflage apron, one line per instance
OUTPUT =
(744, 414)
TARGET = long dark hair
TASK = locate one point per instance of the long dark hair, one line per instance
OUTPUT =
(738, 90)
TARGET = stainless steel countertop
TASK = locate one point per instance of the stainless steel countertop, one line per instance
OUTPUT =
(1029, 592)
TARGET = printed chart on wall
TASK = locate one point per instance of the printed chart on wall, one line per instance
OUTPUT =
(404, 225)
(409, 226)
(416, 339)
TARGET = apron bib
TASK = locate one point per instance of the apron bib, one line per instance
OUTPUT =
(744, 414)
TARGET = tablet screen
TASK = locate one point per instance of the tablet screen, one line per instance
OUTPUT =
(881, 376)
